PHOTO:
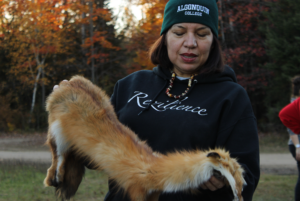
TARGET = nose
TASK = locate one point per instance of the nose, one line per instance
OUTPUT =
(190, 41)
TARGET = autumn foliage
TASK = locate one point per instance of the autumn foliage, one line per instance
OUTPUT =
(145, 33)
(45, 41)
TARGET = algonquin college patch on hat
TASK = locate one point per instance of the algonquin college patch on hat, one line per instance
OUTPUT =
(193, 11)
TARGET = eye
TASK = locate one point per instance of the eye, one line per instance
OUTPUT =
(178, 34)
(202, 35)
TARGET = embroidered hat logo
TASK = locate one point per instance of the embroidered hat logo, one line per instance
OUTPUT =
(193, 9)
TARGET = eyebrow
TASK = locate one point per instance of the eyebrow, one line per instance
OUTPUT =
(201, 28)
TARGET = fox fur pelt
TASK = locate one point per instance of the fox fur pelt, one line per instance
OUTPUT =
(84, 127)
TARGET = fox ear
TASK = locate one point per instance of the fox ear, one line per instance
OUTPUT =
(214, 155)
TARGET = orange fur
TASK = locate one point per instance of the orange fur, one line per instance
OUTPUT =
(82, 123)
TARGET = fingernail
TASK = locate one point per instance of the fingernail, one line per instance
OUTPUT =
(66, 80)
(55, 87)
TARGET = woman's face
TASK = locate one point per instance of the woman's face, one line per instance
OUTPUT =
(188, 47)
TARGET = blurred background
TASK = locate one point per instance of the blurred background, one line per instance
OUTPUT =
(45, 41)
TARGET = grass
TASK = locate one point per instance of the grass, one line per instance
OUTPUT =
(275, 188)
(273, 142)
(24, 181)
(19, 181)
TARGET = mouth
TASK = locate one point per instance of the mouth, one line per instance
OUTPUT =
(188, 57)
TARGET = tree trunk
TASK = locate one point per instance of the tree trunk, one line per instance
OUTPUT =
(221, 22)
(34, 92)
(92, 41)
(83, 36)
(43, 87)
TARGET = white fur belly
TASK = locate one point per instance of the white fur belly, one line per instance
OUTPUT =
(61, 144)
(201, 175)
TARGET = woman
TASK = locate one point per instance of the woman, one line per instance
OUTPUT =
(289, 116)
(190, 100)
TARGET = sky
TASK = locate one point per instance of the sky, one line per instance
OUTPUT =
(117, 6)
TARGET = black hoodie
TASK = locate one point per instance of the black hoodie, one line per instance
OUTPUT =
(215, 113)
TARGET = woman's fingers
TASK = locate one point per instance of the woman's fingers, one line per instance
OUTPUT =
(153, 196)
(62, 82)
(216, 182)
(213, 184)
(208, 185)
(55, 87)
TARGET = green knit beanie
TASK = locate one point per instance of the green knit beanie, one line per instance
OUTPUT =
(195, 11)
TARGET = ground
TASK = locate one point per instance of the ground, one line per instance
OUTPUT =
(23, 142)
(30, 147)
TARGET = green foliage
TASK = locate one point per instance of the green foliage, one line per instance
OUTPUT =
(282, 40)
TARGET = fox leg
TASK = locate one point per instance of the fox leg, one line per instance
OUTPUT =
(50, 179)
(59, 148)
(73, 172)
(60, 168)
(62, 148)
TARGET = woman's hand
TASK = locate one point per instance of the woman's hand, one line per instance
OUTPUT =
(153, 196)
(213, 184)
(57, 86)
(298, 154)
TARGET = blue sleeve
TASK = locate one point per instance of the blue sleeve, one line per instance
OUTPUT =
(290, 132)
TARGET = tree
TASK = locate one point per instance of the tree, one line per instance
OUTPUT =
(244, 48)
(43, 42)
(145, 33)
(11, 89)
(282, 41)
(35, 35)
(102, 56)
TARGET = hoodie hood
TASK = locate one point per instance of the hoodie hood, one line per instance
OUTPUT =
(227, 75)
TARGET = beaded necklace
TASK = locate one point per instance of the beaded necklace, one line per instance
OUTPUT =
(171, 85)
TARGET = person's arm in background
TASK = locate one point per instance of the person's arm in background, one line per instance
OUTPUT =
(290, 118)
(295, 139)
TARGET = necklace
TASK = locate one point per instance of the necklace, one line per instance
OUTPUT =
(171, 85)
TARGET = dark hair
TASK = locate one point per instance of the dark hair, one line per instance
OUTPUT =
(158, 54)
(296, 85)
